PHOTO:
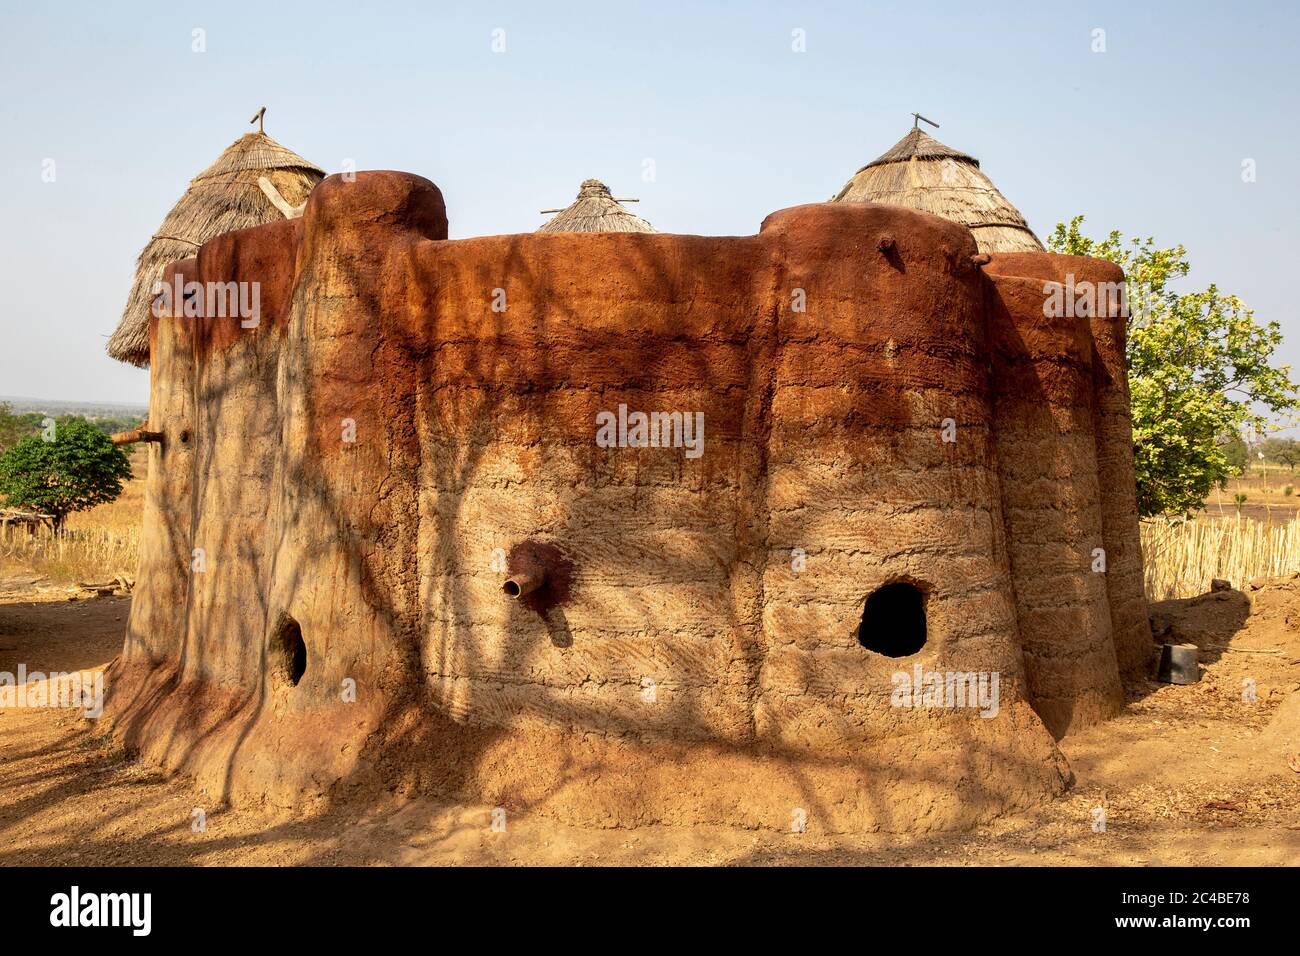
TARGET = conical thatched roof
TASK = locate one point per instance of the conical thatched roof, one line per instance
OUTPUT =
(595, 210)
(922, 173)
(223, 197)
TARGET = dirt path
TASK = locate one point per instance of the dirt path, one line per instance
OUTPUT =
(1188, 775)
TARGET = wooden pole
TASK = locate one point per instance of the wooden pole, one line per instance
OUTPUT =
(136, 434)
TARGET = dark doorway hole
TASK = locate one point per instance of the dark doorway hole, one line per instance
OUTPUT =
(291, 650)
(893, 622)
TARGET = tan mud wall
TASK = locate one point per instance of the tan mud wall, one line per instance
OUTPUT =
(1113, 431)
(692, 671)
(1046, 447)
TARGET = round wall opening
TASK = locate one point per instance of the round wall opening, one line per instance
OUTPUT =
(291, 652)
(893, 621)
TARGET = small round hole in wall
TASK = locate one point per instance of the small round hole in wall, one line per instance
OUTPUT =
(289, 652)
(893, 621)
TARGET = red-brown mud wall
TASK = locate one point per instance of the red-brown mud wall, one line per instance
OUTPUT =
(413, 416)
(1043, 409)
(1106, 319)
(886, 360)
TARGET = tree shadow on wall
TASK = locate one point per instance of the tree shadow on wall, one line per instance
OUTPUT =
(431, 378)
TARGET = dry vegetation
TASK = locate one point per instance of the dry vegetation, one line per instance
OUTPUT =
(1272, 494)
(1250, 529)
(1182, 557)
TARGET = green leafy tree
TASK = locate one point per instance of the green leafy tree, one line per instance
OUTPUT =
(78, 469)
(1200, 372)
(1284, 451)
(1237, 453)
(108, 424)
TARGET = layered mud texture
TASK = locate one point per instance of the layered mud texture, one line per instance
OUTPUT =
(771, 485)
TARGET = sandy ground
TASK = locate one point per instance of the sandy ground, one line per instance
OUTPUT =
(1187, 775)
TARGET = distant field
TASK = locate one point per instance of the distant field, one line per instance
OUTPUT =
(19, 405)
(1266, 496)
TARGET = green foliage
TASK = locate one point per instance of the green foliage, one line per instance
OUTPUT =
(108, 424)
(78, 469)
(14, 427)
(1200, 372)
(1237, 454)
(11, 427)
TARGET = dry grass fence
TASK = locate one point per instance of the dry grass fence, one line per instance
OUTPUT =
(80, 554)
(1183, 556)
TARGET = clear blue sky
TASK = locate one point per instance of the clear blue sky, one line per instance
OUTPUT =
(1147, 137)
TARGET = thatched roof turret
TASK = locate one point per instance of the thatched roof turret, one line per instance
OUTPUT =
(225, 196)
(595, 210)
(922, 173)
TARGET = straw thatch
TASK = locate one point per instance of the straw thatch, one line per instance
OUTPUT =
(595, 210)
(223, 197)
(922, 173)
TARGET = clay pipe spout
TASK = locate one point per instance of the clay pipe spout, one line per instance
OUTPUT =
(525, 582)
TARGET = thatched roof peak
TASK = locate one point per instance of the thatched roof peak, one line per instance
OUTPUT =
(256, 151)
(595, 210)
(922, 173)
(919, 144)
(594, 187)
